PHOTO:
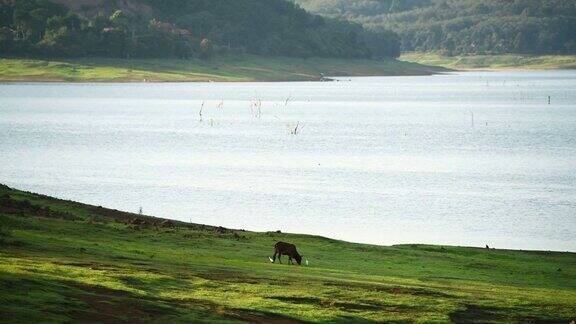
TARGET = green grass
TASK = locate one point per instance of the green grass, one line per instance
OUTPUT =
(65, 261)
(496, 62)
(238, 68)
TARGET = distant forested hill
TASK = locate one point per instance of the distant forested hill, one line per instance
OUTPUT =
(177, 28)
(360, 8)
(465, 26)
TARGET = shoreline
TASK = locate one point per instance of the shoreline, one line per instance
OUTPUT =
(496, 63)
(249, 68)
(214, 226)
(245, 68)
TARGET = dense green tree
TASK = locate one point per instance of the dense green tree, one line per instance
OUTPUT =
(206, 49)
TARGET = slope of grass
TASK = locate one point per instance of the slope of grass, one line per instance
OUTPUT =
(238, 68)
(62, 261)
(496, 62)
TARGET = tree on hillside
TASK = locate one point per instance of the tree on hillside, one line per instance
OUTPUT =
(206, 49)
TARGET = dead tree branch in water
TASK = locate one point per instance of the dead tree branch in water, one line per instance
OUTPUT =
(200, 112)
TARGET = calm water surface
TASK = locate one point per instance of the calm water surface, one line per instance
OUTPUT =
(468, 159)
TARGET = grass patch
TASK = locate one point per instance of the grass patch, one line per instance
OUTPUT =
(496, 62)
(237, 68)
(74, 269)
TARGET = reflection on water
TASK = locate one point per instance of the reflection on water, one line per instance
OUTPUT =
(468, 159)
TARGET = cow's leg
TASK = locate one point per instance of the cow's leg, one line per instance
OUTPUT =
(279, 257)
(290, 259)
(274, 256)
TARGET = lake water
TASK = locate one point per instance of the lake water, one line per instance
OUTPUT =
(463, 159)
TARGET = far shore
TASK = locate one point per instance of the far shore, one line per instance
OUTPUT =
(245, 68)
(249, 68)
(500, 62)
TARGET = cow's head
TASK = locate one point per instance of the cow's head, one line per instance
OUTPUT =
(298, 258)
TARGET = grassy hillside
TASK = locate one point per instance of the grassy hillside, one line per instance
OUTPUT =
(243, 68)
(61, 261)
(508, 61)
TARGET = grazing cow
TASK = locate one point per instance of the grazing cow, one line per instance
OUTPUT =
(283, 248)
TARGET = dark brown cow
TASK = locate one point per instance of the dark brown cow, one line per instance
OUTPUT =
(283, 248)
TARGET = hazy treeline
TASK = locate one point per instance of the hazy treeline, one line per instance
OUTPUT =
(359, 8)
(175, 28)
(465, 26)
